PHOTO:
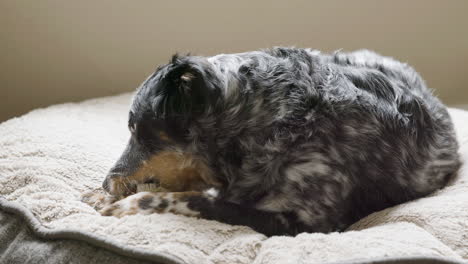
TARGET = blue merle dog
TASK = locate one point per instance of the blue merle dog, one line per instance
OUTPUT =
(284, 140)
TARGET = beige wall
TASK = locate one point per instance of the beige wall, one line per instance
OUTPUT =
(57, 51)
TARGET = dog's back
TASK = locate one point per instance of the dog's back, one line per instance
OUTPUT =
(415, 152)
(349, 134)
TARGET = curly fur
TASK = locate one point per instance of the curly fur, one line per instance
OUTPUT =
(297, 140)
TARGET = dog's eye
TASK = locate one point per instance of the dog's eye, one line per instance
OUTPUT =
(131, 122)
(132, 128)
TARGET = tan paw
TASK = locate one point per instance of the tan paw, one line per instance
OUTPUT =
(98, 199)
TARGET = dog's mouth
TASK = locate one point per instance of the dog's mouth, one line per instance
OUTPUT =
(123, 186)
(150, 185)
(168, 170)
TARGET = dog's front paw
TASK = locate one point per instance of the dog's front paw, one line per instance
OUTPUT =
(98, 199)
(149, 203)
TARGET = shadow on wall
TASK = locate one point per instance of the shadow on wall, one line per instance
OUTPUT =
(55, 51)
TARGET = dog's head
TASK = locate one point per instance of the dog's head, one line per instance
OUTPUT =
(161, 121)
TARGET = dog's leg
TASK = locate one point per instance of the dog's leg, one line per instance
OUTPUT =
(204, 205)
(268, 223)
(151, 202)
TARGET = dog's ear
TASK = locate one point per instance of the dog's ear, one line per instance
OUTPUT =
(188, 89)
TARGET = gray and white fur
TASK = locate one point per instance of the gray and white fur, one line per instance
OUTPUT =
(299, 141)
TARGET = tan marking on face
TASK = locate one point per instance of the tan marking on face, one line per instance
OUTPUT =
(121, 187)
(163, 136)
(176, 172)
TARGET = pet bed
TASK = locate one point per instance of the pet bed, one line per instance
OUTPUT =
(49, 157)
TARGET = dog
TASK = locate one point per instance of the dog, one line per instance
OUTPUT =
(283, 140)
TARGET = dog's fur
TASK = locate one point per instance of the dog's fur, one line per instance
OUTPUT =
(294, 140)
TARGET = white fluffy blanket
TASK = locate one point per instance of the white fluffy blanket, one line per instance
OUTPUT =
(50, 156)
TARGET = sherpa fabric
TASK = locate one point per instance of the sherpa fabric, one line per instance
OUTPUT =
(51, 156)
